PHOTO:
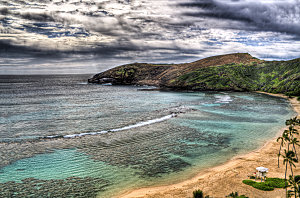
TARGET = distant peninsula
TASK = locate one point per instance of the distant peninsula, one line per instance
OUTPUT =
(230, 72)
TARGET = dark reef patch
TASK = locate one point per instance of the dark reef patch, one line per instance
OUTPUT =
(61, 188)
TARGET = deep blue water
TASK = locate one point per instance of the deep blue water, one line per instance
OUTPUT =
(131, 138)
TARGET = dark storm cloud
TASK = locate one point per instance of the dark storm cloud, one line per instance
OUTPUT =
(37, 16)
(4, 11)
(6, 47)
(120, 49)
(106, 51)
(275, 17)
(28, 15)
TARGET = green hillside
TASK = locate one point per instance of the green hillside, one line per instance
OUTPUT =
(232, 72)
(273, 77)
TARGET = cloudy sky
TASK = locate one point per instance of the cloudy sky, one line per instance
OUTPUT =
(88, 36)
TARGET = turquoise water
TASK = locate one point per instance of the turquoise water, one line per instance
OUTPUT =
(185, 132)
(58, 165)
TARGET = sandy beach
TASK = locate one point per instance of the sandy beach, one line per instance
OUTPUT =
(221, 180)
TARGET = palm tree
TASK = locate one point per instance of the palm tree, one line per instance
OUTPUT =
(292, 130)
(294, 183)
(293, 121)
(284, 139)
(291, 138)
(294, 142)
(281, 138)
(288, 158)
(296, 178)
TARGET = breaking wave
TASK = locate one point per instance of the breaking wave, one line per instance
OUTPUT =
(139, 124)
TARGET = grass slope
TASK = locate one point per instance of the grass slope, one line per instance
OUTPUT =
(231, 72)
(272, 77)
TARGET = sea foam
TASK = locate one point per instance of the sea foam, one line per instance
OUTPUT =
(139, 124)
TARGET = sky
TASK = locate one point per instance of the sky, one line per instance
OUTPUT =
(89, 36)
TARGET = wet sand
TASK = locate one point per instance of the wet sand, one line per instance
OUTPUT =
(221, 180)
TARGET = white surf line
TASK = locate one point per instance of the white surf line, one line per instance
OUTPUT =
(140, 124)
(223, 99)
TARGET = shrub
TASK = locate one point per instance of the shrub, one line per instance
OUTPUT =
(249, 182)
(236, 195)
(275, 182)
(263, 186)
(289, 95)
(198, 194)
(268, 185)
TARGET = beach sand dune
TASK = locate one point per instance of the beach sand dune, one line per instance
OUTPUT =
(221, 180)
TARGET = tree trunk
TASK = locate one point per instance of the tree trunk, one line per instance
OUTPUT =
(285, 179)
(279, 155)
(295, 151)
(294, 148)
(291, 169)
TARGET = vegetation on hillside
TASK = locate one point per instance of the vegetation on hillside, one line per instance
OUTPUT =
(136, 73)
(232, 72)
(272, 77)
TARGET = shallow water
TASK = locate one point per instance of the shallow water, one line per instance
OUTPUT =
(174, 135)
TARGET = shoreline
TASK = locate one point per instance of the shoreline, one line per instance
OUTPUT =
(223, 179)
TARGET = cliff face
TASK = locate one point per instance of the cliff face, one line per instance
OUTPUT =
(136, 73)
(232, 72)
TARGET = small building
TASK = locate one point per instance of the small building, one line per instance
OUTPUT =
(262, 173)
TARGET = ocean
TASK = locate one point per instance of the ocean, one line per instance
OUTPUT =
(63, 137)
